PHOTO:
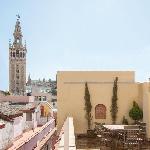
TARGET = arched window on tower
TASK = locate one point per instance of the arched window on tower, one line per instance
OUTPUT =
(13, 54)
(100, 111)
(17, 53)
(17, 89)
(21, 54)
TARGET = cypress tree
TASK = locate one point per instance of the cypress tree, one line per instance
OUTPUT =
(88, 106)
(114, 107)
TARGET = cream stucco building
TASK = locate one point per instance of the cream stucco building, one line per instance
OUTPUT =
(70, 96)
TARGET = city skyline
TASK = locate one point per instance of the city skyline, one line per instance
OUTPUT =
(78, 35)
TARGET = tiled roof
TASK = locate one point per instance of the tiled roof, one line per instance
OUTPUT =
(17, 99)
(9, 110)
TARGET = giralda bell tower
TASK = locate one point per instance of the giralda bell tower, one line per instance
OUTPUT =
(17, 62)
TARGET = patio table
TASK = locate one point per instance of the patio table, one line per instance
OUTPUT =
(129, 135)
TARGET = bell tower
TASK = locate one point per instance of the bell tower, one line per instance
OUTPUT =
(17, 62)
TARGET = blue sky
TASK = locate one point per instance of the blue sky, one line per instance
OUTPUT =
(78, 35)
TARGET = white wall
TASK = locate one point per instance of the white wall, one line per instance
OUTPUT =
(34, 120)
(18, 127)
(6, 135)
(30, 124)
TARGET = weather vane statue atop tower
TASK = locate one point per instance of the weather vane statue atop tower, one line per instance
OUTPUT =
(17, 62)
(18, 16)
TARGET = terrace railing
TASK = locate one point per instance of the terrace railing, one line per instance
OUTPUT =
(31, 138)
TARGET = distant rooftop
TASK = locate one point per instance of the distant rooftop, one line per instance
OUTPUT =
(17, 99)
(8, 111)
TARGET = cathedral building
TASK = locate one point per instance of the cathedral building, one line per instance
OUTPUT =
(17, 62)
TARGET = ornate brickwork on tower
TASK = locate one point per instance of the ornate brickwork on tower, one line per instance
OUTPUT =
(17, 62)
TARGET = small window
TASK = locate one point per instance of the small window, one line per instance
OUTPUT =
(17, 89)
(39, 98)
(28, 116)
(20, 54)
(17, 40)
(44, 98)
(13, 54)
(100, 111)
(23, 55)
(42, 111)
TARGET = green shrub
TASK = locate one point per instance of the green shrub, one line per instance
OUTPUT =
(136, 113)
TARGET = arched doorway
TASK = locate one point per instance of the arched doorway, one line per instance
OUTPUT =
(42, 110)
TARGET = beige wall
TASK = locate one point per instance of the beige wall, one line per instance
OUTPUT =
(146, 106)
(70, 95)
